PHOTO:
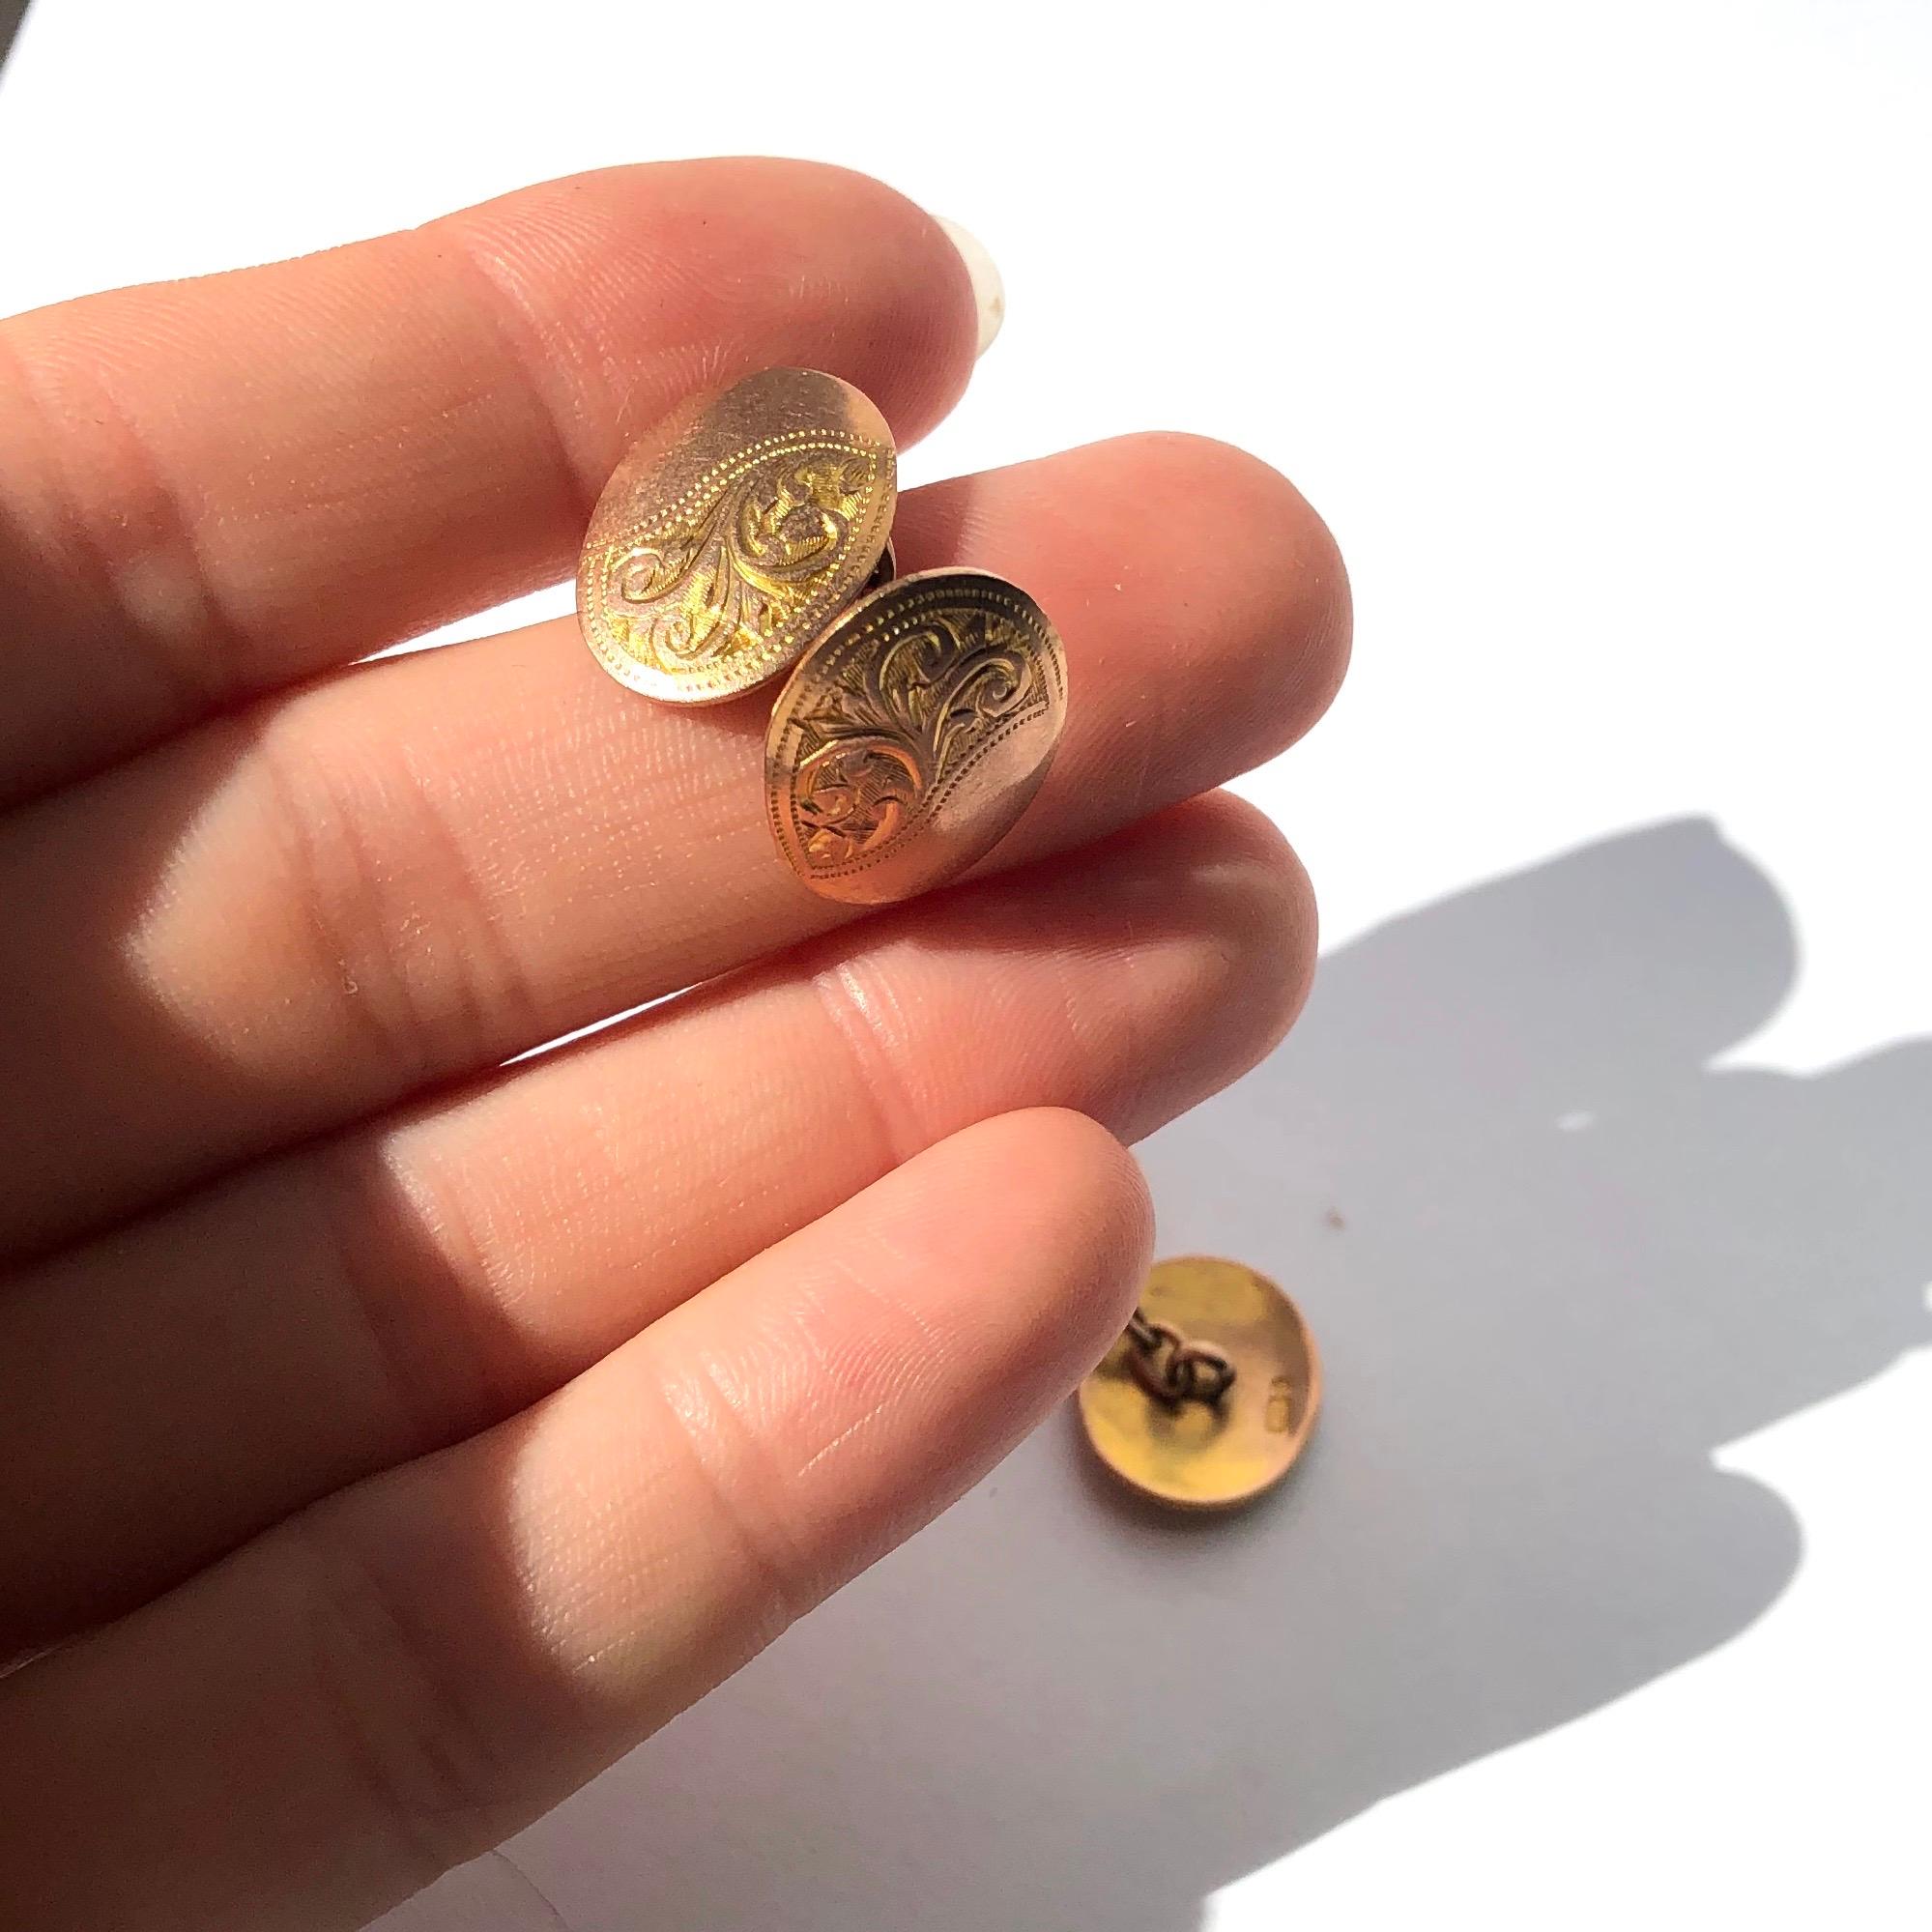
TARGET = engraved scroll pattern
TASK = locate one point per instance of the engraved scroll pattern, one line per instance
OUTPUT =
(758, 542)
(905, 720)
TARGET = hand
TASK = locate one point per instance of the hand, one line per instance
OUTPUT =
(390, 1438)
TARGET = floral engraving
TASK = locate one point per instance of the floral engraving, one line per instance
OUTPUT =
(905, 719)
(759, 544)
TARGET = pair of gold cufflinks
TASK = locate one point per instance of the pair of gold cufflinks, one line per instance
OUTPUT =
(750, 535)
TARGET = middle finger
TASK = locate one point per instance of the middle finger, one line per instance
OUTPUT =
(415, 870)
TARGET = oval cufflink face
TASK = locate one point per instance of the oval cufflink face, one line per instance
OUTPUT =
(913, 735)
(734, 534)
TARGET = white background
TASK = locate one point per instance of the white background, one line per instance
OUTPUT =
(1601, 335)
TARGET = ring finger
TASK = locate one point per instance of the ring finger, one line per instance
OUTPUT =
(434, 1274)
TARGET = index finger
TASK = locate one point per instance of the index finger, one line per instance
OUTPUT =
(217, 486)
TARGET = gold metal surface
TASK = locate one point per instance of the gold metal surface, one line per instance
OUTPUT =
(885, 570)
(732, 535)
(1208, 1454)
(913, 735)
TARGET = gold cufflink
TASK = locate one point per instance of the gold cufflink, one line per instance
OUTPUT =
(1208, 1397)
(750, 535)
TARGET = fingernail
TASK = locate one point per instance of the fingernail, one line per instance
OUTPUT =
(989, 292)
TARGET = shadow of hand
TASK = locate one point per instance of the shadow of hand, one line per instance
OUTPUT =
(1555, 1262)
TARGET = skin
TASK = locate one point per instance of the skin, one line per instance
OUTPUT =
(391, 1439)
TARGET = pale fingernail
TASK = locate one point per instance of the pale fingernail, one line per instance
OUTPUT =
(989, 292)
